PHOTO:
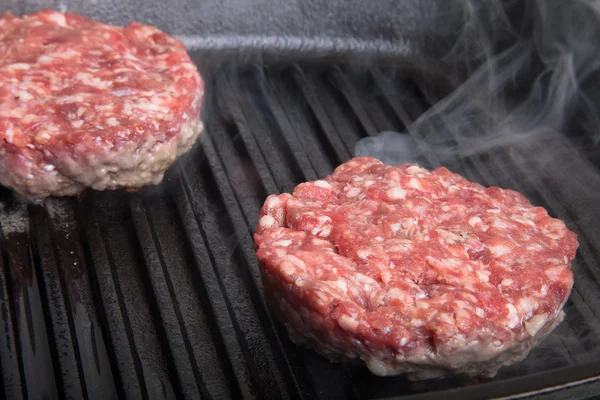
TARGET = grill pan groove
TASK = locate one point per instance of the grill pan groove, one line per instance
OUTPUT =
(157, 294)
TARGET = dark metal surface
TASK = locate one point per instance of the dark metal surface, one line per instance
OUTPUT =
(421, 33)
(156, 294)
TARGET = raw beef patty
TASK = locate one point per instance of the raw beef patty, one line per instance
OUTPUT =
(413, 271)
(84, 104)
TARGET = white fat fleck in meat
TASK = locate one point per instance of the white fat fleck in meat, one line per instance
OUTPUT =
(63, 54)
(507, 282)
(482, 276)
(401, 248)
(280, 251)
(397, 294)
(536, 323)
(266, 221)
(377, 298)
(43, 135)
(462, 305)
(21, 66)
(377, 367)
(434, 262)
(365, 281)
(449, 263)
(534, 247)
(448, 237)
(512, 317)
(320, 242)
(396, 193)
(395, 227)
(291, 265)
(499, 250)
(91, 80)
(415, 184)
(363, 254)
(283, 243)
(414, 170)
(479, 312)
(296, 261)
(353, 192)
(45, 59)
(17, 112)
(272, 202)
(323, 184)
(147, 106)
(498, 223)
(126, 92)
(340, 284)
(463, 314)
(525, 221)
(29, 118)
(474, 221)
(323, 297)
(75, 98)
(348, 323)
(112, 121)
(24, 95)
(323, 227)
(553, 273)
(447, 318)
(58, 18)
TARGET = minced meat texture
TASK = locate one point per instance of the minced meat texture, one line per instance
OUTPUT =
(404, 268)
(77, 94)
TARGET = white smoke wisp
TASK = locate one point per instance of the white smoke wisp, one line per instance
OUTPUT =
(486, 112)
(526, 118)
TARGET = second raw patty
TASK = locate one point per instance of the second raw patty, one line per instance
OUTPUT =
(414, 271)
(85, 104)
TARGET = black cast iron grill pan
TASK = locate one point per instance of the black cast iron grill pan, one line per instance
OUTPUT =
(156, 294)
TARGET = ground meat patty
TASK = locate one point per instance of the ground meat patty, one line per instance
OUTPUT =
(84, 104)
(413, 271)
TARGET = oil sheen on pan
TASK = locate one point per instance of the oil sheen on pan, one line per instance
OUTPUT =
(414, 271)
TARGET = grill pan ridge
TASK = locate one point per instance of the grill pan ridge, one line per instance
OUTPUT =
(156, 294)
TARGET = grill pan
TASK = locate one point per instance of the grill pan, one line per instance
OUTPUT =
(156, 294)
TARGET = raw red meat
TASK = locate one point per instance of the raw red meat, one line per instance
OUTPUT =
(414, 271)
(84, 104)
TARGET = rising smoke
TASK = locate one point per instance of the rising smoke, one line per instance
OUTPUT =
(520, 94)
(524, 119)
